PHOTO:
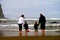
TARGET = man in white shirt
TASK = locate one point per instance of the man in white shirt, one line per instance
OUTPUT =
(20, 23)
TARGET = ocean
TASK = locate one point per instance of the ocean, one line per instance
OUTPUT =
(9, 27)
(51, 23)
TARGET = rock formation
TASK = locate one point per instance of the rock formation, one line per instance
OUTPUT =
(1, 12)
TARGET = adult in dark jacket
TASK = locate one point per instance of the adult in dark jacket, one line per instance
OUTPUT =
(42, 21)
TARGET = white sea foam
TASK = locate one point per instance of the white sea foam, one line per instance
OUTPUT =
(12, 23)
(32, 19)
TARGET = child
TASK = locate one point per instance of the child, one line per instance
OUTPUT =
(26, 28)
(36, 28)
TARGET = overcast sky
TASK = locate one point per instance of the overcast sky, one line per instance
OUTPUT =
(31, 8)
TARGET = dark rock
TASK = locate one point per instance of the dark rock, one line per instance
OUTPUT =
(1, 12)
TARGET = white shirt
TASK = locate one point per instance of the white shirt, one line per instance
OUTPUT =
(21, 20)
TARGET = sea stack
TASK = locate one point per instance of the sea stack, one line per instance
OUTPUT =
(1, 12)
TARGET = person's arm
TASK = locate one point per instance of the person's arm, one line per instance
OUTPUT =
(39, 21)
(44, 19)
(22, 20)
(27, 26)
(37, 24)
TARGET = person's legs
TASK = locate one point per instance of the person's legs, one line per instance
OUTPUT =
(26, 33)
(20, 33)
(36, 32)
(20, 29)
(43, 29)
(43, 32)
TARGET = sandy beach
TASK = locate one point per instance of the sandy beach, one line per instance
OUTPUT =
(31, 38)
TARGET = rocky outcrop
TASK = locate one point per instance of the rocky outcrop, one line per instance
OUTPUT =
(1, 12)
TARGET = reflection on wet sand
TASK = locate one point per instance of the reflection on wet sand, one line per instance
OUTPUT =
(31, 33)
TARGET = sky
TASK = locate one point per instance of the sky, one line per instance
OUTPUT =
(31, 8)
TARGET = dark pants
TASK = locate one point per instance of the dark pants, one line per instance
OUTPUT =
(20, 27)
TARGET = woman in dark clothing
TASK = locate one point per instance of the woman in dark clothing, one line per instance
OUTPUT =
(42, 21)
(36, 28)
(26, 28)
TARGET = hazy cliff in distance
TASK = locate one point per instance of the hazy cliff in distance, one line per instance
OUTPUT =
(1, 12)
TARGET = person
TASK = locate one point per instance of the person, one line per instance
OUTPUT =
(36, 28)
(20, 23)
(42, 21)
(26, 28)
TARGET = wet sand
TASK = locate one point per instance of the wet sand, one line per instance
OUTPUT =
(11, 32)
